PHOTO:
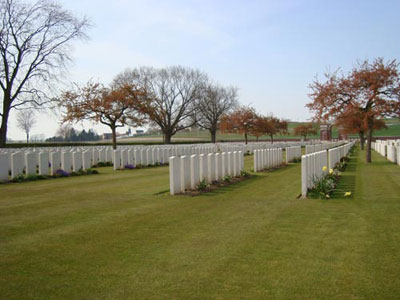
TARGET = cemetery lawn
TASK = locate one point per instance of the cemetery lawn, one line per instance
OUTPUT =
(120, 235)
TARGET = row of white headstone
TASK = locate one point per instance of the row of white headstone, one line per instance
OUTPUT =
(312, 165)
(389, 149)
(335, 154)
(292, 153)
(319, 147)
(186, 172)
(42, 163)
(267, 158)
(31, 161)
(250, 147)
(154, 155)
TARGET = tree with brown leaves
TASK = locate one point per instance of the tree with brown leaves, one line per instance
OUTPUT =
(373, 89)
(305, 130)
(353, 122)
(114, 107)
(270, 126)
(240, 121)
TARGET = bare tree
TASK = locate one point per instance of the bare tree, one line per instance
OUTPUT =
(25, 121)
(34, 50)
(214, 102)
(172, 92)
(64, 131)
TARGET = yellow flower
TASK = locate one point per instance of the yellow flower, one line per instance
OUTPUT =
(324, 168)
(330, 171)
(327, 196)
(347, 194)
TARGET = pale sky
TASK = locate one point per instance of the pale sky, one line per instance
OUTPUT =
(270, 50)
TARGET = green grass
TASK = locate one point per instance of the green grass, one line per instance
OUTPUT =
(120, 235)
(393, 129)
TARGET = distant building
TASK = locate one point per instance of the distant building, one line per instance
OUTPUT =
(107, 136)
(325, 132)
(139, 132)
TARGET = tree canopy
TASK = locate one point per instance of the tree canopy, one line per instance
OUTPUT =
(370, 89)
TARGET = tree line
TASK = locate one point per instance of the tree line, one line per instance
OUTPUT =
(69, 134)
(173, 98)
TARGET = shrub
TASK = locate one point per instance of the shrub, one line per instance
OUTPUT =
(19, 178)
(227, 179)
(324, 187)
(31, 177)
(202, 185)
(103, 164)
(244, 173)
(296, 160)
(91, 171)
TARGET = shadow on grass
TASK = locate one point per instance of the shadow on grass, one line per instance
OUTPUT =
(279, 169)
(231, 187)
(347, 182)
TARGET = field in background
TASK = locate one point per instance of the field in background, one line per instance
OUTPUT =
(392, 130)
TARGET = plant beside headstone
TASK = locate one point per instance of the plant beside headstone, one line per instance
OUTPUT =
(202, 186)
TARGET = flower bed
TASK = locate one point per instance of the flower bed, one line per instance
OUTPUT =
(58, 174)
(204, 187)
(323, 188)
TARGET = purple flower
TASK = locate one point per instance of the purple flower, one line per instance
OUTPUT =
(129, 166)
(62, 173)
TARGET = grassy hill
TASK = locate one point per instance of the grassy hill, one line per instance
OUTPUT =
(392, 130)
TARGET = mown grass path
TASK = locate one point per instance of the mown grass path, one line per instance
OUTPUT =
(119, 235)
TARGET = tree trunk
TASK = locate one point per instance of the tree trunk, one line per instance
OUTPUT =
(369, 140)
(362, 139)
(27, 138)
(245, 137)
(4, 121)
(213, 133)
(257, 138)
(114, 137)
(168, 137)
(272, 139)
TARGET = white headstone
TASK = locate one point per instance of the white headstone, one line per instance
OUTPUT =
(86, 160)
(194, 171)
(55, 161)
(44, 163)
(4, 158)
(66, 161)
(174, 175)
(185, 173)
(203, 166)
(31, 161)
(210, 167)
(76, 161)
(117, 159)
